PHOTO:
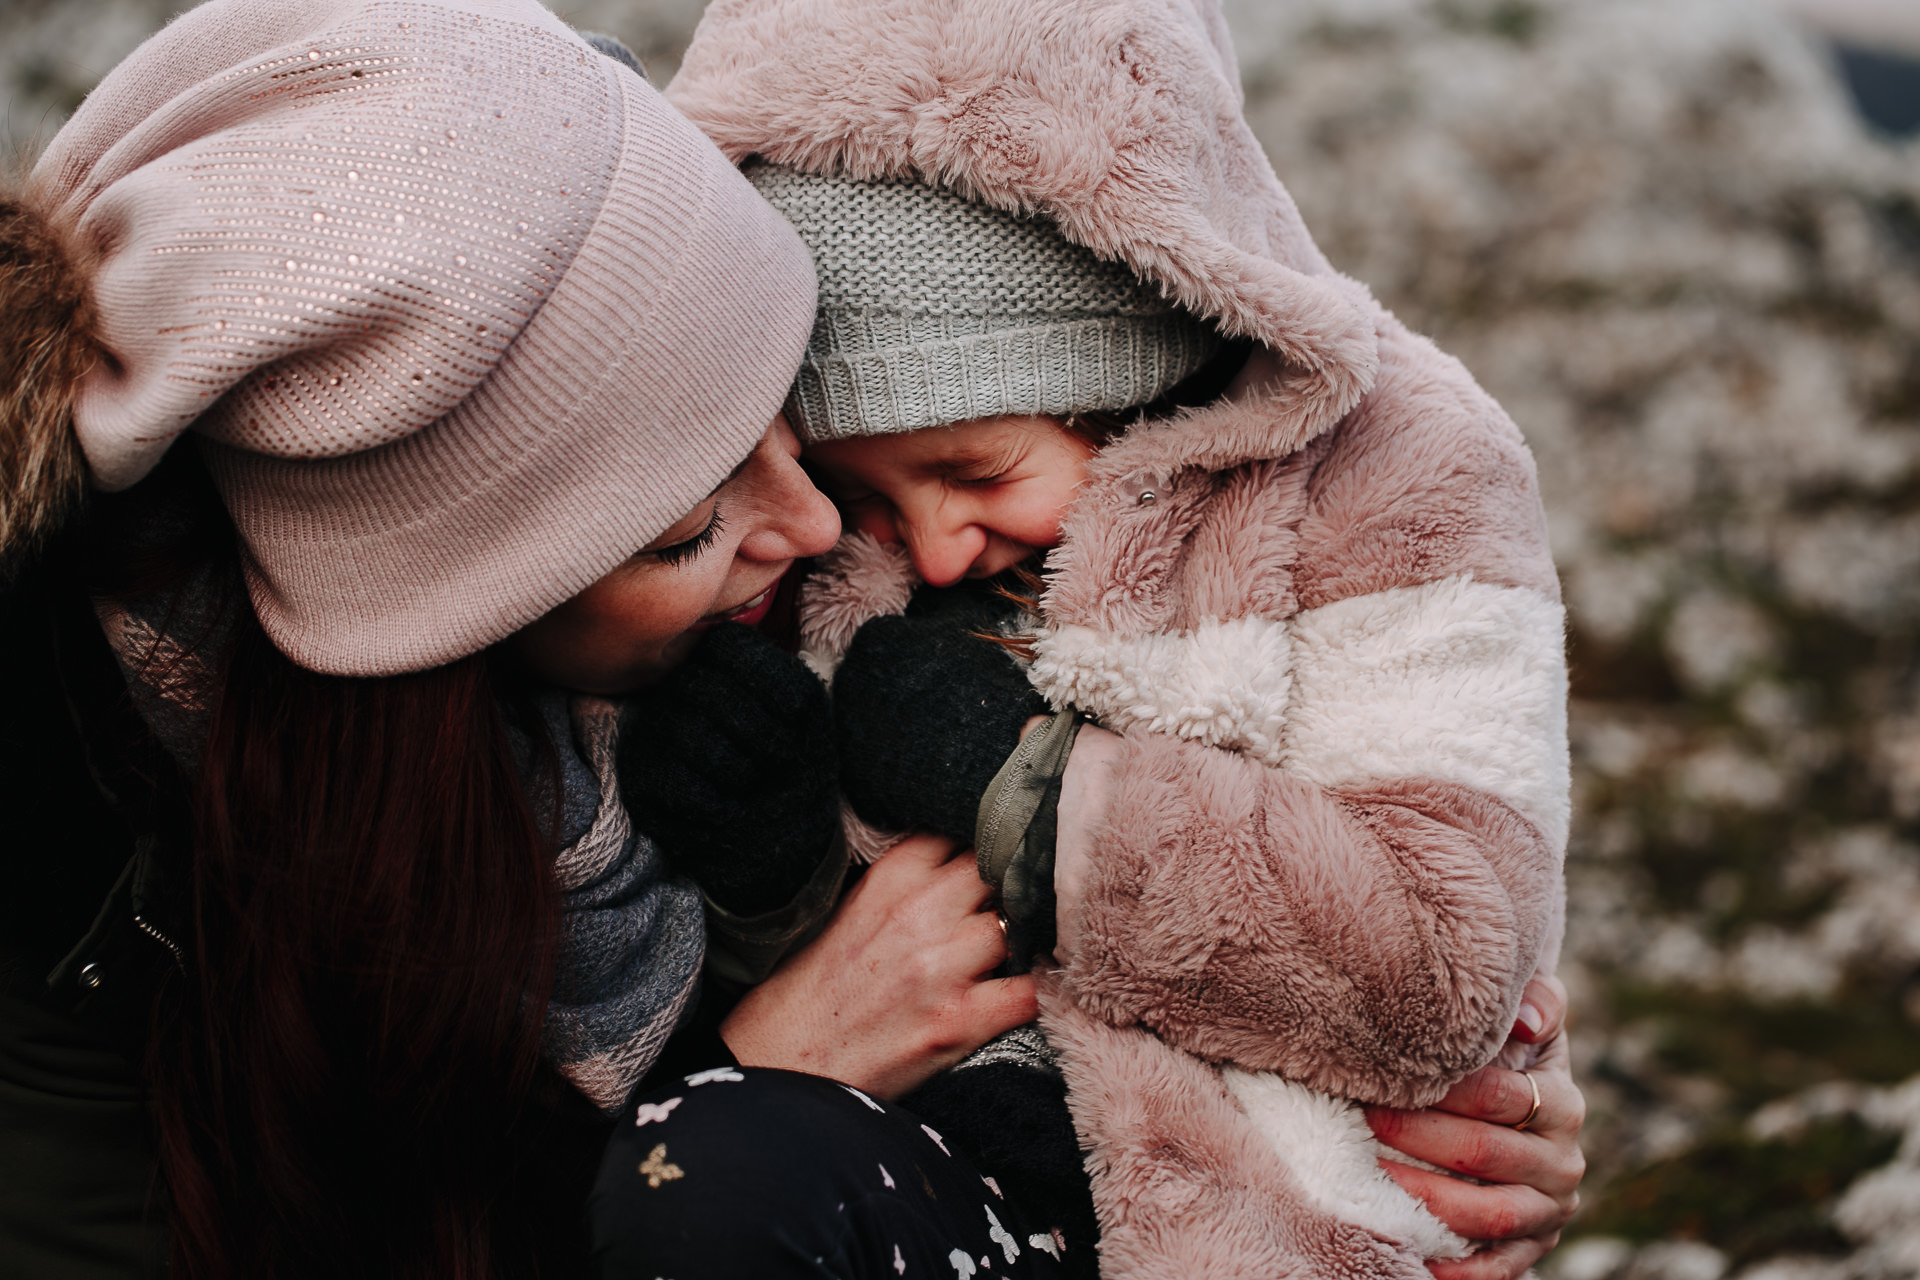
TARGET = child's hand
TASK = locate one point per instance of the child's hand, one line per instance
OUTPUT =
(728, 764)
(925, 713)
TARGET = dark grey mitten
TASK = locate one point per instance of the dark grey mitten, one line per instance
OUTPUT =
(728, 764)
(616, 48)
(1019, 820)
(925, 712)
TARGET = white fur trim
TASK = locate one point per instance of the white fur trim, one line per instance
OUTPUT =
(860, 578)
(1326, 1143)
(1223, 683)
(865, 843)
(822, 662)
(1456, 680)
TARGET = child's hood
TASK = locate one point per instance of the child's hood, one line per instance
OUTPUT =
(1119, 119)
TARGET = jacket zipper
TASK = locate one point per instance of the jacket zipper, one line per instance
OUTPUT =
(179, 956)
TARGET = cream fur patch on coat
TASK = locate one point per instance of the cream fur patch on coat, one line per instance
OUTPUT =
(1327, 854)
(1456, 680)
(1326, 1143)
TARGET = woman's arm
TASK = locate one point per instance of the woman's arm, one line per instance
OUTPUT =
(1537, 1172)
(897, 987)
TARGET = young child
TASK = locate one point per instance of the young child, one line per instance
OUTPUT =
(1308, 851)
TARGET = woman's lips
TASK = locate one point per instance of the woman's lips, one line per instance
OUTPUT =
(753, 610)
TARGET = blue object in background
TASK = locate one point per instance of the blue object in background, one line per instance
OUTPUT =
(1885, 87)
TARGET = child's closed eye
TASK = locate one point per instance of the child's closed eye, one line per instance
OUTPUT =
(985, 468)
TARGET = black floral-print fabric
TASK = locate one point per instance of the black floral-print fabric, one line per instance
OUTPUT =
(741, 1171)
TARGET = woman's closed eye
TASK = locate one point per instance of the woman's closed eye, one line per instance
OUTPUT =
(679, 553)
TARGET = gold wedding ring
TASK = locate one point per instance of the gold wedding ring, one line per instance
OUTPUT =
(1534, 1110)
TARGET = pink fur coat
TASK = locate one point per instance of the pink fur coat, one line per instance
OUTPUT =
(1314, 853)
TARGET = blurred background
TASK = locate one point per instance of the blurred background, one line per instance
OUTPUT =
(1680, 240)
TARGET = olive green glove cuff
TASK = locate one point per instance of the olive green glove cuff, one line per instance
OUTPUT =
(743, 950)
(1014, 835)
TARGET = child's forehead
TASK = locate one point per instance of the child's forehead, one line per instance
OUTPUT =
(953, 443)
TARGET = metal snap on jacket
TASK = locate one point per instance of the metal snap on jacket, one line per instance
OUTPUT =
(1147, 486)
(90, 976)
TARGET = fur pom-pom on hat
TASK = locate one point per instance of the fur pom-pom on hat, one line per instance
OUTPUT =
(46, 347)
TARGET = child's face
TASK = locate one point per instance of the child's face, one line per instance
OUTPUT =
(968, 500)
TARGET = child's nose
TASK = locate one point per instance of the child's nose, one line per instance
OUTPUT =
(942, 557)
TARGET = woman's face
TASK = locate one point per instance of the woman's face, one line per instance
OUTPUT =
(718, 563)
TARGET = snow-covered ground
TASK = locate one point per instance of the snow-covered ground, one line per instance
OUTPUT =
(1657, 230)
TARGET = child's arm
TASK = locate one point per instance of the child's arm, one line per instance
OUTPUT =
(1372, 942)
(1369, 938)
(1328, 839)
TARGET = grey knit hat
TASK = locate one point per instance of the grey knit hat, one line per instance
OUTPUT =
(934, 309)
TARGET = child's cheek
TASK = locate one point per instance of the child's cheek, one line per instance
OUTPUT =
(1064, 487)
(1050, 515)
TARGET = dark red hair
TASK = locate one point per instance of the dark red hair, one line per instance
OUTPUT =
(338, 1078)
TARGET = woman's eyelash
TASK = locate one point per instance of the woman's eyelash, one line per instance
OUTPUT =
(681, 552)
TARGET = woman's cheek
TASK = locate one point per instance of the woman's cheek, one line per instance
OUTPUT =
(698, 593)
(654, 621)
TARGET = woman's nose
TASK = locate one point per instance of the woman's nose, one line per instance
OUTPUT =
(799, 522)
(812, 523)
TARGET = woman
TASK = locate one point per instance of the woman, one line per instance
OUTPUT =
(460, 315)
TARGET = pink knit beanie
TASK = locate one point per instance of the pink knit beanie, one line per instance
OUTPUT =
(462, 313)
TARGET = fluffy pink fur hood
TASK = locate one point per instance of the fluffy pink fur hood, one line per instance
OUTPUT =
(1118, 119)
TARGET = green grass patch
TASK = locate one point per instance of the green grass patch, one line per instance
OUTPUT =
(1752, 847)
(1764, 1051)
(1515, 20)
(1635, 672)
(1749, 1199)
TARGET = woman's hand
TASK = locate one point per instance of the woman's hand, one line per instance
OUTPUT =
(1471, 1131)
(896, 988)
